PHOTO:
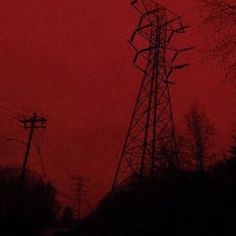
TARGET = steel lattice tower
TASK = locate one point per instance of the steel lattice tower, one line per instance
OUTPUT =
(150, 142)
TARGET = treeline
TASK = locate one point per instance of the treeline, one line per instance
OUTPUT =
(197, 199)
(25, 211)
(184, 203)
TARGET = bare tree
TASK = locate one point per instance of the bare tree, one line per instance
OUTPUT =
(199, 136)
(232, 150)
(220, 15)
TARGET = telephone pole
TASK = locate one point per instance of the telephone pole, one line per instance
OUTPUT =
(30, 123)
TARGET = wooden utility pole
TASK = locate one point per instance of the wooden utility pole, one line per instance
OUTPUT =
(30, 123)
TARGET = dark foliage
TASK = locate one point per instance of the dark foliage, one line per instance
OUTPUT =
(67, 216)
(233, 149)
(179, 204)
(24, 212)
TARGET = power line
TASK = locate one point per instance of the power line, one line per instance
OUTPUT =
(38, 149)
(48, 151)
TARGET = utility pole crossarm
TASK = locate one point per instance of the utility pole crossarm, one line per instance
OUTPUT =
(35, 121)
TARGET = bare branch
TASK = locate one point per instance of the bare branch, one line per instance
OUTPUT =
(221, 16)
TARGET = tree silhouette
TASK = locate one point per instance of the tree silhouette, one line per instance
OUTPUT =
(67, 216)
(26, 211)
(221, 16)
(232, 150)
(199, 132)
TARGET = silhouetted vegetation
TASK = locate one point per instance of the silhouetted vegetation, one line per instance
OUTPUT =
(67, 217)
(198, 139)
(233, 149)
(179, 203)
(25, 211)
(220, 15)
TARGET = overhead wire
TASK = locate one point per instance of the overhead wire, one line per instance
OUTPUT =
(38, 147)
(43, 167)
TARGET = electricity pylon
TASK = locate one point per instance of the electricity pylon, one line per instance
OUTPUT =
(79, 190)
(150, 143)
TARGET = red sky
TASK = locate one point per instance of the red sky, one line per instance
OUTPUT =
(70, 61)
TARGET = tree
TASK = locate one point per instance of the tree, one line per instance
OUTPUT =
(221, 16)
(199, 133)
(25, 211)
(232, 150)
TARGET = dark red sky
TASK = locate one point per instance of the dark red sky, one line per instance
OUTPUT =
(70, 61)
